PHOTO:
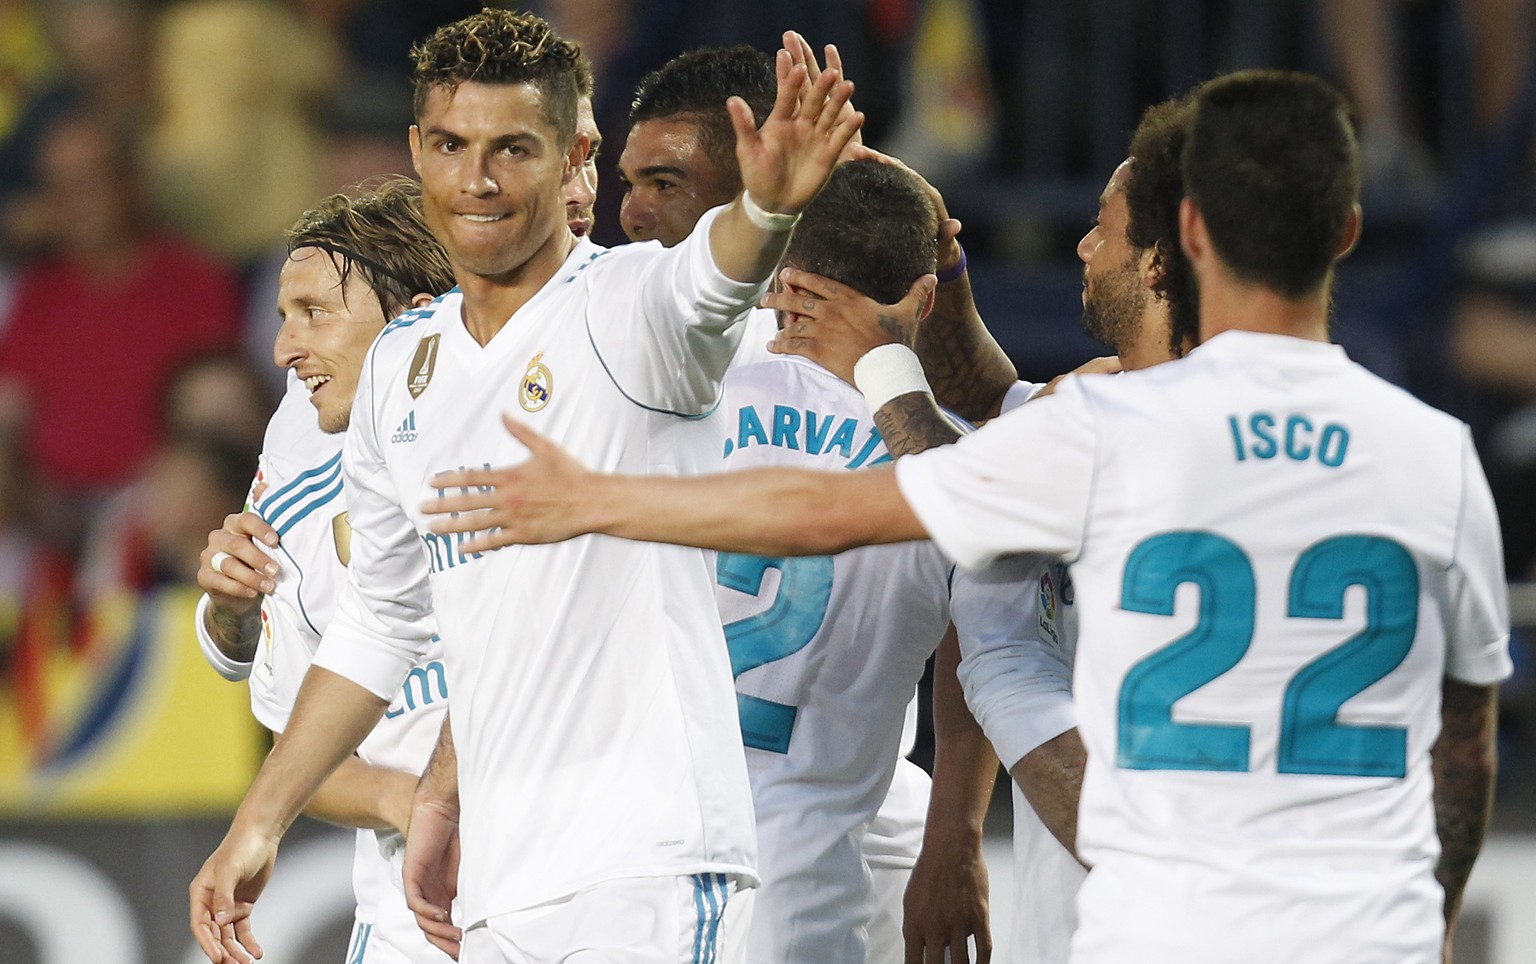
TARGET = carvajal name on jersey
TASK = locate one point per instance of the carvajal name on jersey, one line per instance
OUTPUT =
(808, 431)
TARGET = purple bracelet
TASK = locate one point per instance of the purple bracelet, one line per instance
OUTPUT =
(953, 272)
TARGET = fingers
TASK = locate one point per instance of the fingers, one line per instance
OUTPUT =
(817, 285)
(246, 939)
(800, 52)
(234, 564)
(457, 514)
(916, 299)
(791, 78)
(204, 930)
(743, 122)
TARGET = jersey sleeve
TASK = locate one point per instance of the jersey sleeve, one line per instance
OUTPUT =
(231, 669)
(692, 316)
(1477, 599)
(1017, 684)
(1018, 394)
(384, 619)
(1021, 483)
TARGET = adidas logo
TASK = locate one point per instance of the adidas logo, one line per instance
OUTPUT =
(406, 432)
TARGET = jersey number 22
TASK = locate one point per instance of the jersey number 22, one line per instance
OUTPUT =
(1311, 738)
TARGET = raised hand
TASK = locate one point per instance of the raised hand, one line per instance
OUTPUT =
(786, 161)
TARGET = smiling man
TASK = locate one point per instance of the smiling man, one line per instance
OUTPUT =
(679, 159)
(272, 574)
(602, 798)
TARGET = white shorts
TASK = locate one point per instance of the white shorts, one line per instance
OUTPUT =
(636, 920)
(889, 889)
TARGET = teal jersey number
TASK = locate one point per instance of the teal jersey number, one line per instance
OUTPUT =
(783, 629)
(1149, 739)
(1312, 740)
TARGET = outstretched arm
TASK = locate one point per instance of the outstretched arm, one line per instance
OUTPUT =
(783, 164)
(1465, 761)
(770, 512)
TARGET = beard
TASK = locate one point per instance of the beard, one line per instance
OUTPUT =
(1112, 313)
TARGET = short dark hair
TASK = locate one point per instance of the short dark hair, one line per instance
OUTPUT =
(378, 230)
(872, 228)
(1272, 163)
(503, 47)
(695, 86)
(1152, 198)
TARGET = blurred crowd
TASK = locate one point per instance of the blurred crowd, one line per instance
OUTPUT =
(153, 152)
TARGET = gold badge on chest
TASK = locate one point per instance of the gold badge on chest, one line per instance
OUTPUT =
(341, 534)
(538, 384)
(419, 375)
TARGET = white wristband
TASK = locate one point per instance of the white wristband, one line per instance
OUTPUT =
(888, 372)
(767, 220)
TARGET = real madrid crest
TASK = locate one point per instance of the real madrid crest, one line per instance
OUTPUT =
(538, 384)
(423, 363)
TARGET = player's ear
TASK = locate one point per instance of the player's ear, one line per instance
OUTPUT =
(576, 157)
(1351, 237)
(1193, 236)
(1153, 267)
(415, 139)
(421, 299)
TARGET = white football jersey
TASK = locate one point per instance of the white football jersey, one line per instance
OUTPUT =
(1277, 558)
(300, 492)
(594, 717)
(827, 652)
(1017, 622)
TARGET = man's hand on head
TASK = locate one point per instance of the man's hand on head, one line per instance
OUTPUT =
(834, 326)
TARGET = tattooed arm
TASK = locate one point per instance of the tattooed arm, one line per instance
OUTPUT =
(1465, 761)
(235, 572)
(912, 423)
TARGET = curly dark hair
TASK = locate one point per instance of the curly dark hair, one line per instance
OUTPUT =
(872, 228)
(1272, 163)
(379, 230)
(695, 86)
(1152, 199)
(504, 47)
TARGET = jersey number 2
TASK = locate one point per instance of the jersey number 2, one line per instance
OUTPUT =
(1311, 738)
(783, 629)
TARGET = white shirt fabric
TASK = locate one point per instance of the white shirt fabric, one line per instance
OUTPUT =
(1234, 521)
(827, 652)
(300, 492)
(1017, 623)
(594, 718)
